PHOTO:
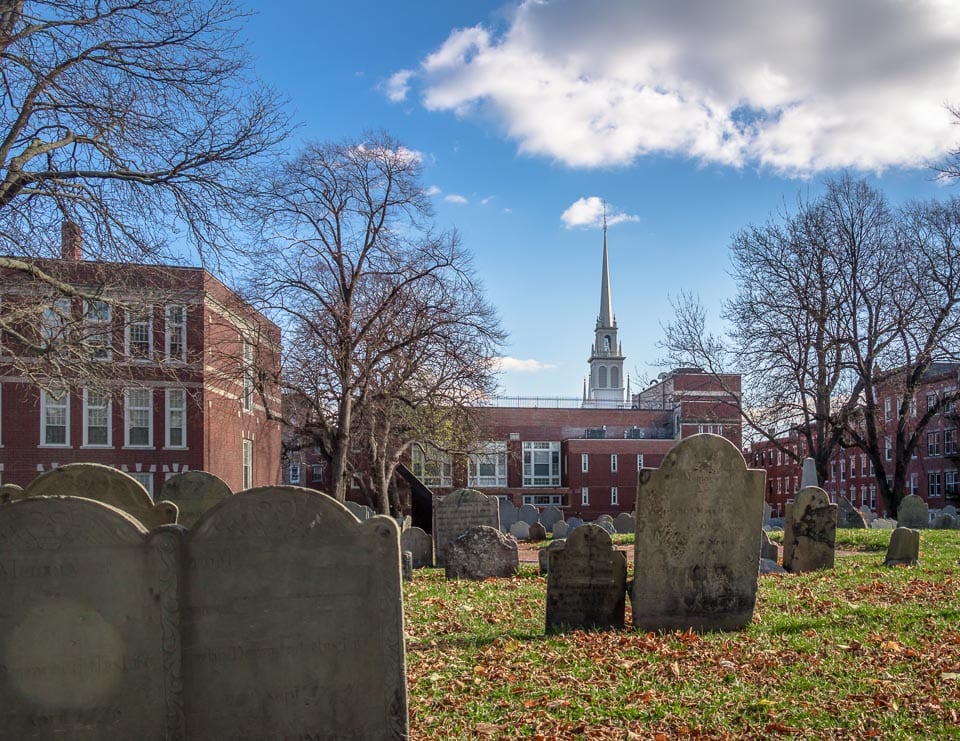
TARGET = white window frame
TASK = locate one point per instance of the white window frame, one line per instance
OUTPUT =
(495, 454)
(543, 500)
(175, 330)
(246, 463)
(431, 465)
(613, 462)
(950, 480)
(873, 497)
(145, 478)
(169, 410)
(639, 461)
(843, 470)
(129, 408)
(584, 496)
(533, 454)
(950, 441)
(107, 407)
(888, 448)
(246, 393)
(914, 484)
(293, 473)
(933, 444)
(98, 328)
(933, 485)
(46, 396)
(55, 318)
(584, 463)
(316, 472)
(614, 496)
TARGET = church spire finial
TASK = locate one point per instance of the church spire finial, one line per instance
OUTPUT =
(606, 303)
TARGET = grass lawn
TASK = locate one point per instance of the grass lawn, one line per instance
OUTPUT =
(860, 651)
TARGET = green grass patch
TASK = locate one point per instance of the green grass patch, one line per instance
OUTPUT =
(856, 652)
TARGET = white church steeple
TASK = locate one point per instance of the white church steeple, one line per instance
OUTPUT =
(606, 383)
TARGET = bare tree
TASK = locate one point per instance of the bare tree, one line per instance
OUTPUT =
(387, 328)
(133, 119)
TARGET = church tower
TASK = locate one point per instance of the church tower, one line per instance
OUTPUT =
(605, 387)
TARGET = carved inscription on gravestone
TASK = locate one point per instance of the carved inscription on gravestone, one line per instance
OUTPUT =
(293, 624)
(89, 641)
(697, 544)
(458, 512)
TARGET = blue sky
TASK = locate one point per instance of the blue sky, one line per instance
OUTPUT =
(691, 119)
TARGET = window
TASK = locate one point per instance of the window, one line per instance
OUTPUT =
(541, 464)
(145, 479)
(887, 409)
(614, 378)
(950, 482)
(931, 401)
(139, 335)
(863, 465)
(887, 449)
(933, 485)
(639, 461)
(602, 377)
(247, 463)
(585, 496)
(863, 495)
(99, 329)
(833, 470)
(873, 496)
(913, 406)
(933, 444)
(796, 484)
(316, 472)
(584, 462)
(843, 471)
(138, 419)
(488, 468)
(294, 473)
(96, 418)
(950, 442)
(613, 462)
(614, 496)
(853, 466)
(55, 417)
(432, 466)
(247, 397)
(544, 500)
(55, 319)
(913, 483)
(176, 333)
(176, 418)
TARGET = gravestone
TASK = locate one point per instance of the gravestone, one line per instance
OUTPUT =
(107, 485)
(949, 510)
(482, 552)
(808, 475)
(520, 530)
(508, 514)
(420, 545)
(573, 523)
(604, 518)
(586, 583)
(810, 532)
(194, 492)
(606, 525)
(550, 515)
(768, 549)
(697, 544)
(883, 523)
(544, 555)
(459, 511)
(560, 529)
(406, 565)
(537, 532)
(848, 516)
(944, 521)
(360, 511)
(88, 623)
(868, 514)
(904, 548)
(913, 513)
(10, 493)
(529, 514)
(293, 621)
(768, 567)
(767, 511)
(625, 523)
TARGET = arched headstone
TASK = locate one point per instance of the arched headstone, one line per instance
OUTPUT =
(810, 532)
(194, 492)
(459, 511)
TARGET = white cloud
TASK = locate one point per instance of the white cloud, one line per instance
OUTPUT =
(797, 87)
(516, 365)
(485, 201)
(398, 85)
(588, 212)
(433, 190)
(455, 198)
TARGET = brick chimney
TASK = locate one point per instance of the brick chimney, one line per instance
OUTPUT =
(71, 241)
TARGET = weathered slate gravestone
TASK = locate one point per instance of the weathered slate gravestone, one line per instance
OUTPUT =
(520, 530)
(913, 513)
(586, 583)
(625, 523)
(808, 475)
(560, 529)
(904, 548)
(868, 514)
(88, 623)
(949, 510)
(459, 511)
(529, 514)
(194, 492)
(573, 523)
(810, 532)
(360, 511)
(604, 518)
(482, 552)
(107, 485)
(849, 516)
(697, 545)
(293, 621)
(944, 521)
(768, 549)
(544, 555)
(550, 515)
(606, 525)
(508, 513)
(768, 567)
(767, 511)
(420, 545)
(883, 523)
(537, 532)
(10, 492)
(406, 565)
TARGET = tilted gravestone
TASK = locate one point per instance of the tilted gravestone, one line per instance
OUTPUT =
(529, 514)
(625, 523)
(420, 545)
(697, 544)
(508, 513)
(560, 529)
(88, 623)
(550, 515)
(107, 485)
(913, 513)
(520, 530)
(194, 492)
(810, 532)
(768, 549)
(868, 514)
(293, 621)
(482, 552)
(586, 583)
(544, 555)
(904, 547)
(537, 532)
(808, 475)
(848, 516)
(459, 511)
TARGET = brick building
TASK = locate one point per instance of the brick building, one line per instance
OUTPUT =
(931, 474)
(184, 351)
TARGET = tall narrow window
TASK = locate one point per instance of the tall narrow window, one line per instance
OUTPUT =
(294, 473)
(584, 463)
(614, 378)
(55, 417)
(613, 462)
(639, 461)
(933, 444)
(55, 319)
(139, 335)
(176, 418)
(614, 496)
(933, 485)
(176, 333)
(138, 419)
(602, 377)
(247, 399)
(97, 319)
(585, 496)
(247, 463)
(146, 479)
(96, 418)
